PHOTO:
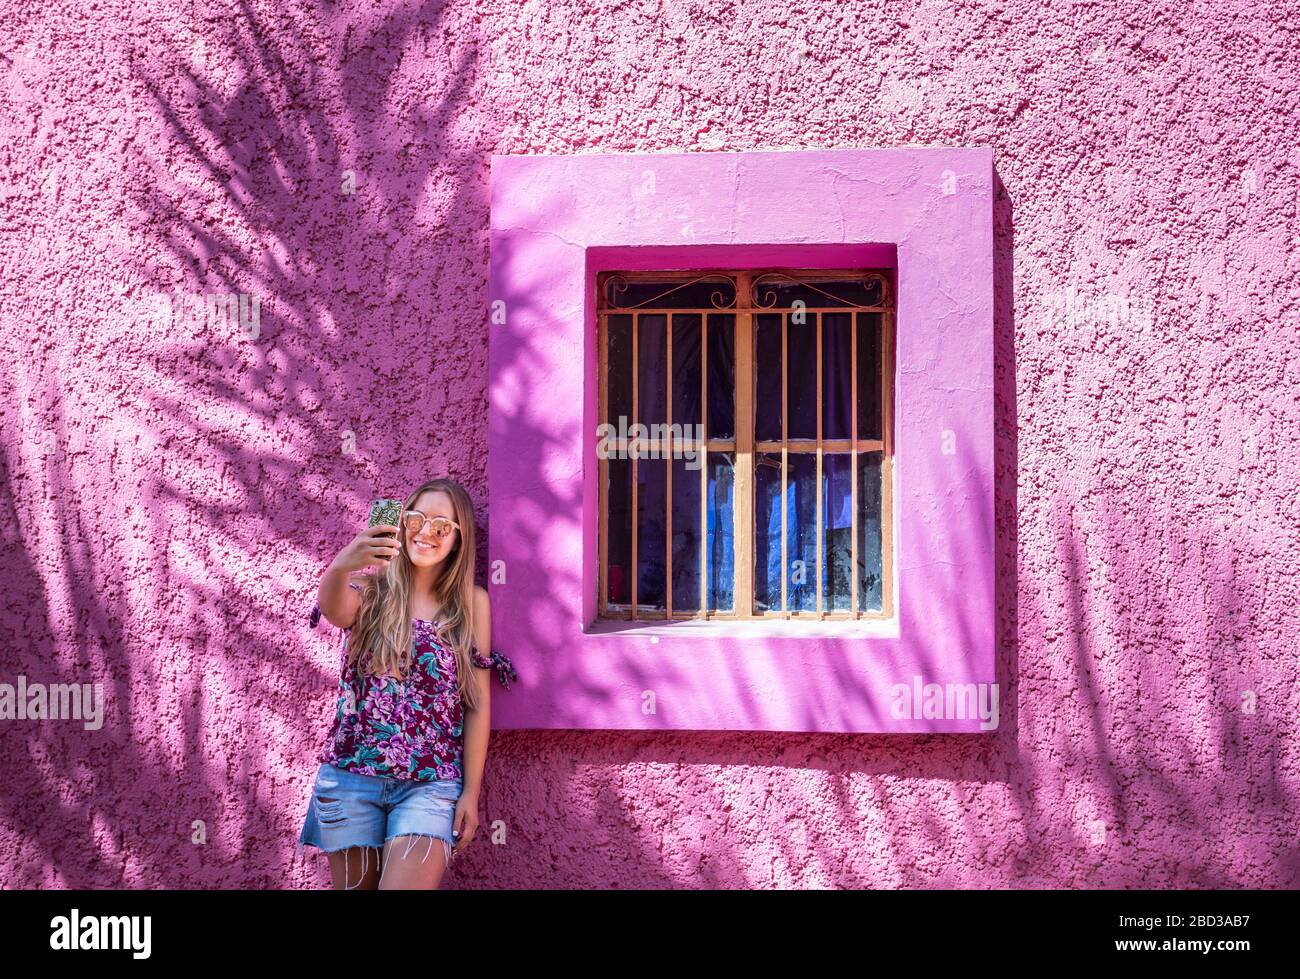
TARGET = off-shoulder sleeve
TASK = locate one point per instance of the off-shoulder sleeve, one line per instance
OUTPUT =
(505, 669)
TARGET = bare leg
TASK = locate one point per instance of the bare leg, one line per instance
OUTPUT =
(413, 863)
(355, 869)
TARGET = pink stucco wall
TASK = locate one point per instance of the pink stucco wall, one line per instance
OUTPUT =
(171, 489)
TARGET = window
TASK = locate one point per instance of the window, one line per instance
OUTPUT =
(561, 228)
(746, 450)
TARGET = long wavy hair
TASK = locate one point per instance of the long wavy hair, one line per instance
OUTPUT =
(380, 640)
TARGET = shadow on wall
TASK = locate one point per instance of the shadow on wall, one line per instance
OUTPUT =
(184, 585)
(358, 369)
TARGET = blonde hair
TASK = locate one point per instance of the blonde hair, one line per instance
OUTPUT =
(383, 625)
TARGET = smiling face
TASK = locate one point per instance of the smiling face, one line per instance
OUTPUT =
(425, 549)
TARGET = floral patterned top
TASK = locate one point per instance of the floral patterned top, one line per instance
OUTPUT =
(407, 729)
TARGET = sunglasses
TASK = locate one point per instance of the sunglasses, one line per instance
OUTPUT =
(414, 521)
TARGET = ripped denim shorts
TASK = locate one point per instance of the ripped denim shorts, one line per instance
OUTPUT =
(348, 809)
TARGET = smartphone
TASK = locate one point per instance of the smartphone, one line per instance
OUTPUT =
(386, 511)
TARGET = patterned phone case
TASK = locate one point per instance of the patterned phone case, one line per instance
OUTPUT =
(385, 511)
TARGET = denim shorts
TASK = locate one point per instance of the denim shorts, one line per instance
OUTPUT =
(369, 810)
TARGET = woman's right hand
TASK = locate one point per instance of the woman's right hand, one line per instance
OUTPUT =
(375, 545)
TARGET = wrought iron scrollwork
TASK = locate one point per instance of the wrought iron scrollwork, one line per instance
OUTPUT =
(769, 297)
(719, 300)
(613, 285)
(763, 294)
(617, 284)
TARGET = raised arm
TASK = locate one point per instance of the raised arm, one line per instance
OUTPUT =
(339, 603)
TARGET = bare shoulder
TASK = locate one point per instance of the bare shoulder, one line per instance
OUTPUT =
(481, 600)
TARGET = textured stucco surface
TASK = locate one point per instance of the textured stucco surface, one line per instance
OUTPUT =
(169, 494)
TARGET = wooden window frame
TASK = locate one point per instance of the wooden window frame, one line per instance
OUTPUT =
(746, 306)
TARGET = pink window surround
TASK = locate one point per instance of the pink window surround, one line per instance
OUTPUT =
(557, 221)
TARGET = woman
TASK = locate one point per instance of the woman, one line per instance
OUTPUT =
(403, 764)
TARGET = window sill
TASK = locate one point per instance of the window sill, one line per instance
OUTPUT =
(746, 629)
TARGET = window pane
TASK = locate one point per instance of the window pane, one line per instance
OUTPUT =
(801, 379)
(767, 531)
(837, 375)
(652, 369)
(722, 376)
(801, 548)
(869, 327)
(837, 532)
(721, 546)
(687, 486)
(619, 367)
(618, 550)
(686, 375)
(651, 501)
(871, 583)
(767, 380)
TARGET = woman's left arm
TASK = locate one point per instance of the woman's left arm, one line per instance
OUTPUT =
(478, 720)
